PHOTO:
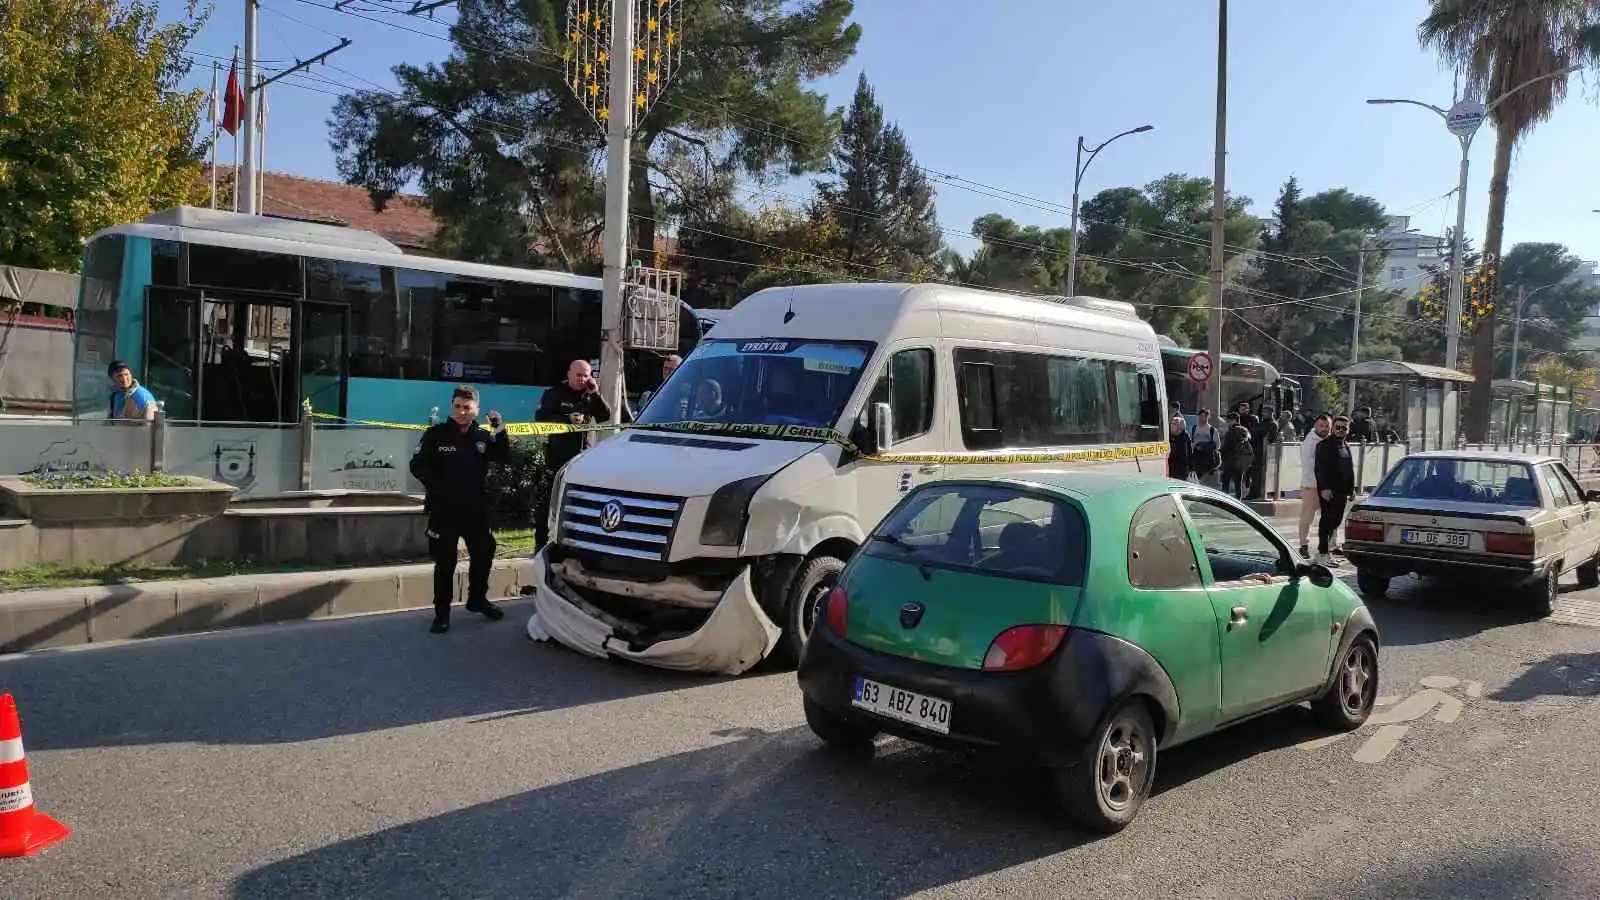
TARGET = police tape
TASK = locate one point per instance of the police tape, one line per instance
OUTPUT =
(1141, 451)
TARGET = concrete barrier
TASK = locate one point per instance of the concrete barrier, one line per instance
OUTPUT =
(66, 617)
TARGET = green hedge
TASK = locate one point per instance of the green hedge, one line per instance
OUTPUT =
(516, 488)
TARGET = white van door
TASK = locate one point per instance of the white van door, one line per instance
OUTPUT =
(909, 384)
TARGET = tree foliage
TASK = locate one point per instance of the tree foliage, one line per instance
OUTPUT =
(512, 162)
(93, 131)
(877, 212)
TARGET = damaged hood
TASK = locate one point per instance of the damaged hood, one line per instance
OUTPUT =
(682, 465)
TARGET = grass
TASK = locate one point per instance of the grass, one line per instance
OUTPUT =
(512, 542)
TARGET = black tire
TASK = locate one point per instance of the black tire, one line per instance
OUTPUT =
(1349, 700)
(1589, 574)
(1541, 595)
(836, 732)
(1374, 586)
(1104, 789)
(806, 604)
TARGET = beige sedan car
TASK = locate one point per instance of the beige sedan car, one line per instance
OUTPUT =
(1512, 520)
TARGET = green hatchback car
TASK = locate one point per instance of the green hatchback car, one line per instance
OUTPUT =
(1084, 619)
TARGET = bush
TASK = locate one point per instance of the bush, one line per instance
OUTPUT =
(516, 488)
(64, 480)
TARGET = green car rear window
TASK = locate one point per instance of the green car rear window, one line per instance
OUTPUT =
(990, 529)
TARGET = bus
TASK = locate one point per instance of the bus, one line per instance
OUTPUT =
(232, 318)
(1245, 379)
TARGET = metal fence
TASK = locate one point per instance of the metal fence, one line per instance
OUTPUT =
(1374, 461)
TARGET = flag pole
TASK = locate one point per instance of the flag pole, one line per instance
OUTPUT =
(216, 68)
(261, 157)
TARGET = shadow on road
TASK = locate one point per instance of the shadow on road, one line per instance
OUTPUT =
(304, 681)
(1429, 612)
(1561, 675)
(1501, 873)
(767, 814)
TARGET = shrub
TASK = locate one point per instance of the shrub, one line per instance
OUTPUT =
(516, 487)
(111, 481)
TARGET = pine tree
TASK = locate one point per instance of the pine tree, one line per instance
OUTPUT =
(878, 215)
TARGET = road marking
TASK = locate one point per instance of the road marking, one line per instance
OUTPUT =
(1394, 718)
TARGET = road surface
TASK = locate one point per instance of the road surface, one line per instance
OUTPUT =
(366, 758)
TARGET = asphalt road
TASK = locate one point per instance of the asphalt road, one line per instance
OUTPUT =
(365, 758)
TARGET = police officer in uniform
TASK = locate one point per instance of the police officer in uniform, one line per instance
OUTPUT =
(452, 462)
(575, 401)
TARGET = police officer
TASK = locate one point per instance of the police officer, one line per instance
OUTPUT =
(452, 461)
(575, 401)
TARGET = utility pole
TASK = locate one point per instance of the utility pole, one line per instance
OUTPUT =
(619, 128)
(244, 187)
(1219, 211)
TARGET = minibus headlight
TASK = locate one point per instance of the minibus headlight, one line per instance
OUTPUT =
(728, 512)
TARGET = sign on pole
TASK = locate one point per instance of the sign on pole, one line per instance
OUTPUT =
(1200, 368)
(1464, 117)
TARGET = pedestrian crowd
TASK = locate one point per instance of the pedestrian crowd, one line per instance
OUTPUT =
(1233, 457)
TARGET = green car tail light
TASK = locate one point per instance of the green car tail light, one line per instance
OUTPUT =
(1023, 647)
(838, 613)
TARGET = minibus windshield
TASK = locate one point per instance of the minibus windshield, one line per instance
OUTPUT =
(767, 381)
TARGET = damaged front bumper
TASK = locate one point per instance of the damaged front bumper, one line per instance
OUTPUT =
(734, 637)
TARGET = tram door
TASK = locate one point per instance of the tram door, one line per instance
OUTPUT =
(247, 365)
(171, 350)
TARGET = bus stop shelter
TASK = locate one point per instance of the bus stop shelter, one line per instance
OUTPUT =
(1428, 398)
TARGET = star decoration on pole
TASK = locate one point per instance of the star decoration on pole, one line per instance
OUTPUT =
(657, 53)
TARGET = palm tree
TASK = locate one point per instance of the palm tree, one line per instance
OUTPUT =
(1501, 46)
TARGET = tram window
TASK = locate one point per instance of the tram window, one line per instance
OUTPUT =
(166, 265)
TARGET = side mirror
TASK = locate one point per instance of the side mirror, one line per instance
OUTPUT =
(1318, 574)
(1592, 496)
(881, 427)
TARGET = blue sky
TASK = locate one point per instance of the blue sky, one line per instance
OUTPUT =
(997, 93)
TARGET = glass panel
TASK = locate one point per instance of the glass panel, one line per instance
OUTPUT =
(323, 356)
(170, 371)
(94, 345)
(245, 353)
(995, 530)
(1160, 555)
(772, 382)
(245, 270)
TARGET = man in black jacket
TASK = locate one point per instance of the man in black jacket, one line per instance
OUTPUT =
(452, 462)
(1336, 484)
(576, 401)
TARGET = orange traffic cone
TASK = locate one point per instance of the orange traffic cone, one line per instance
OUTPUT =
(24, 831)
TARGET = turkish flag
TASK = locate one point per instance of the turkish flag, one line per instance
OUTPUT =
(233, 101)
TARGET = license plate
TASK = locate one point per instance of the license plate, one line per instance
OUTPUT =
(931, 713)
(1426, 538)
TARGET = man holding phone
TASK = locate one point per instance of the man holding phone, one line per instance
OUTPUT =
(575, 401)
(452, 462)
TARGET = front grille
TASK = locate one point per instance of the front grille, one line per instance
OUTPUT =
(644, 532)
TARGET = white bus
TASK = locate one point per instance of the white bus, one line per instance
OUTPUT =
(707, 536)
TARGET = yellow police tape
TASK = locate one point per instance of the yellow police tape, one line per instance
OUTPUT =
(1152, 450)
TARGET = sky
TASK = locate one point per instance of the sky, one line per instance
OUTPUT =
(997, 95)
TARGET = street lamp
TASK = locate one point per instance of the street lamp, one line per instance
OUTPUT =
(1516, 333)
(1463, 120)
(1077, 180)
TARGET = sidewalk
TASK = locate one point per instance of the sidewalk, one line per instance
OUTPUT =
(66, 617)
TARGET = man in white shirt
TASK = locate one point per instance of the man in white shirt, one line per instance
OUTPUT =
(1309, 501)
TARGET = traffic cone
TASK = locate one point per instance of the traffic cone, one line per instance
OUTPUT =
(24, 830)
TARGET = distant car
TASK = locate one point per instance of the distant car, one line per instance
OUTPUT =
(1068, 616)
(1503, 520)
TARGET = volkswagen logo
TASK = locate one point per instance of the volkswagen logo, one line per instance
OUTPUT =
(611, 516)
(911, 614)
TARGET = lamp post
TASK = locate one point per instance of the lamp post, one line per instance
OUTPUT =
(1077, 180)
(1523, 294)
(1463, 120)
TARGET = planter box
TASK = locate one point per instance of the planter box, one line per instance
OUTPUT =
(108, 506)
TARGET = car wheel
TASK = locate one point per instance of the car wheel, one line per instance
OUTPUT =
(1589, 574)
(1374, 586)
(1348, 702)
(837, 732)
(1104, 789)
(1541, 595)
(807, 603)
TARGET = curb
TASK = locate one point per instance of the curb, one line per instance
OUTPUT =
(68, 617)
